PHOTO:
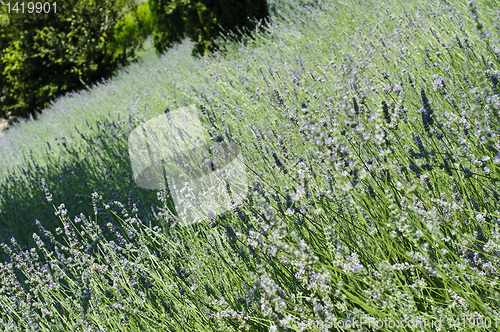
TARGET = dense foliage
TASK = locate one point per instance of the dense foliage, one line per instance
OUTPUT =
(76, 43)
(370, 131)
(204, 20)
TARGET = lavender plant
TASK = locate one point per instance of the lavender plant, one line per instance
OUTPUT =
(370, 135)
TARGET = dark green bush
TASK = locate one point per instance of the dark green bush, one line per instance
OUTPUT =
(134, 27)
(45, 55)
(203, 21)
(5, 39)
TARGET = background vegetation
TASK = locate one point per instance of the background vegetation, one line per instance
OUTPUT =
(203, 21)
(46, 55)
(370, 134)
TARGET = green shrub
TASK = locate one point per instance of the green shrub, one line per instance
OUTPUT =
(203, 21)
(46, 55)
(134, 27)
(5, 39)
(168, 23)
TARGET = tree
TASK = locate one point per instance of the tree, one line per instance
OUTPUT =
(203, 21)
(48, 54)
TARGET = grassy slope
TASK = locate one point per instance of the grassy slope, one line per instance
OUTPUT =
(358, 224)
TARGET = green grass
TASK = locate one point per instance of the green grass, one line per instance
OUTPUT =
(370, 135)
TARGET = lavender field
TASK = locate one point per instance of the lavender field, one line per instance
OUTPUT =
(370, 134)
